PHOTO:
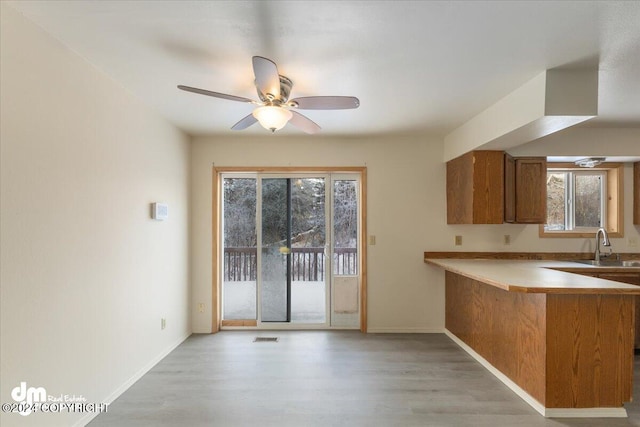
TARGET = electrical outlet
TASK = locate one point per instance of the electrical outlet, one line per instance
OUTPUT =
(163, 323)
(632, 242)
(507, 239)
(372, 240)
(201, 307)
(458, 240)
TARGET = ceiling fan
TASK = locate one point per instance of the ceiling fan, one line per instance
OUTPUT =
(275, 109)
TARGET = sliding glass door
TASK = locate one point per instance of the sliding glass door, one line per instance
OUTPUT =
(292, 236)
(278, 262)
(275, 243)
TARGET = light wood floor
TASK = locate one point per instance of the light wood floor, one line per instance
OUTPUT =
(328, 378)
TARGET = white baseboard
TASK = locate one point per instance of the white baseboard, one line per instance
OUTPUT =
(113, 396)
(547, 412)
(405, 330)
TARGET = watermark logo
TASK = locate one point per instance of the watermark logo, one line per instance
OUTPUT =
(35, 399)
(28, 397)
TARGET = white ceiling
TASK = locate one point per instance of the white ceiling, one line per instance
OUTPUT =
(416, 66)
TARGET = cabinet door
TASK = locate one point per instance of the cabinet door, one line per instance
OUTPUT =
(488, 187)
(636, 193)
(475, 188)
(531, 190)
(460, 189)
(509, 189)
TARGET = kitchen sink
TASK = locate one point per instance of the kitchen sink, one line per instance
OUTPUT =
(610, 263)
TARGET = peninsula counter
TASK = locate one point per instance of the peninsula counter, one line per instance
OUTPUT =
(562, 341)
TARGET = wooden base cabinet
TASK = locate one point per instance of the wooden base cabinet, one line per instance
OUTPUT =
(567, 351)
(631, 278)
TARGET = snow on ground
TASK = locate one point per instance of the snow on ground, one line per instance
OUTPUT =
(307, 301)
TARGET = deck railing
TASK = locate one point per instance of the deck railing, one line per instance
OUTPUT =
(308, 264)
(240, 264)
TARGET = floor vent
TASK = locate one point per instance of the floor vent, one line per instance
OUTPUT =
(266, 339)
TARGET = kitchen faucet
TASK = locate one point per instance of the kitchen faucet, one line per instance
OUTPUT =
(605, 242)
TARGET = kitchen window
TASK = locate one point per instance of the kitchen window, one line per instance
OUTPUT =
(581, 200)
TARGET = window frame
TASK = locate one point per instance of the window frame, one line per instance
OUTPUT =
(613, 201)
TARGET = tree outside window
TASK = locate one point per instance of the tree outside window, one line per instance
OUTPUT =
(575, 200)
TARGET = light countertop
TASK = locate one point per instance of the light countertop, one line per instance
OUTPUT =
(538, 276)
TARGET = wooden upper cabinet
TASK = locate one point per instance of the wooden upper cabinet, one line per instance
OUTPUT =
(636, 193)
(491, 187)
(509, 189)
(475, 188)
(526, 190)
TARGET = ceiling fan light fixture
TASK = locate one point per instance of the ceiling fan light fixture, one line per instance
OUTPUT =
(272, 118)
(590, 162)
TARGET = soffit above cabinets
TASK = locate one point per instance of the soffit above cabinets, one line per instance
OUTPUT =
(550, 102)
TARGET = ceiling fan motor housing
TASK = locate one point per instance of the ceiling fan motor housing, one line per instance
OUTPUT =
(285, 89)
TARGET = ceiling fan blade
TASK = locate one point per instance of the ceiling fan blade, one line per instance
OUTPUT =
(244, 122)
(326, 102)
(267, 78)
(215, 94)
(304, 123)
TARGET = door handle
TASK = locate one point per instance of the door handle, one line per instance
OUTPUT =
(285, 250)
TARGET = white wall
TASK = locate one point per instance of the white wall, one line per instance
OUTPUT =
(85, 274)
(405, 192)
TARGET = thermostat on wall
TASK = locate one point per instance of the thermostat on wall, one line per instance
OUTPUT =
(159, 211)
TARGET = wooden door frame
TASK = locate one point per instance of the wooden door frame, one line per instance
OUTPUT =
(216, 222)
